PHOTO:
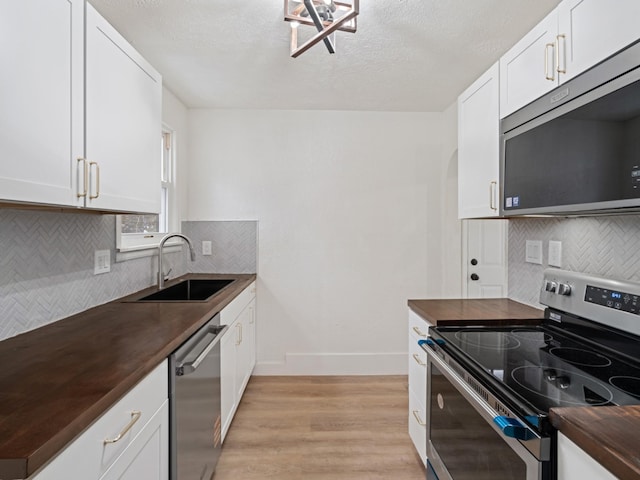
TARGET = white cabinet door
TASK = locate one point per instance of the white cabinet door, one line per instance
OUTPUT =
(592, 30)
(144, 447)
(123, 122)
(575, 464)
(147, 457)
(478, 147)
(246, 351)
(237, 352)
(228, 395)
(41, 98)
(527, 69)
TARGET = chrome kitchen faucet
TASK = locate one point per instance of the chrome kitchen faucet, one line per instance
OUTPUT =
(161, 246)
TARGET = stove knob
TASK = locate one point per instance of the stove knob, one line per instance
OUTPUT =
(550, 286)
(564, 289)
(563, 382)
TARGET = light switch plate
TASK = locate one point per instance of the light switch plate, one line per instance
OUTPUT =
(102, 262)
(533, 252)
(206, 247)
(555, 253)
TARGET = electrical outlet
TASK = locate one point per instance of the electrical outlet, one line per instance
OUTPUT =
(102, 262)
(555, 253)
(206, 247)
(533, 252)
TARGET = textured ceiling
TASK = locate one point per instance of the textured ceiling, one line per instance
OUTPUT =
(407, 55)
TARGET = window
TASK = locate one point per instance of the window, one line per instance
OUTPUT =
(144, 232)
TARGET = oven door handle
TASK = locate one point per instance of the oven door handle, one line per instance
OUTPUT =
(513, 428)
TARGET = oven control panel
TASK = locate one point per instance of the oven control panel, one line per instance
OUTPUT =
(623, 301)
(608, 301)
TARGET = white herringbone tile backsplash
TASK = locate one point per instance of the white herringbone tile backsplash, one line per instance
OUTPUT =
(605, 246)
(47, 259)
(233, 246)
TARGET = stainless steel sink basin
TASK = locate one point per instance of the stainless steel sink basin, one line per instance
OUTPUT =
(192, 290)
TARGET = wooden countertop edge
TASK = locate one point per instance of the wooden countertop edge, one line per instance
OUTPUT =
(591, 440)
(24, 466)
(509, 312)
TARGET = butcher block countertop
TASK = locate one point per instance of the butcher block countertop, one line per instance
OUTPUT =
(610, 435)
(484, 311)
(58, 379)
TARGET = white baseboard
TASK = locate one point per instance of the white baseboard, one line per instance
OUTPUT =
(336, 364)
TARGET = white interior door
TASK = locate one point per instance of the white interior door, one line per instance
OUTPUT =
(485, 258)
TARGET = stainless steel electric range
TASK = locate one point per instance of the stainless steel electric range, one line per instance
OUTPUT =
(490, 389)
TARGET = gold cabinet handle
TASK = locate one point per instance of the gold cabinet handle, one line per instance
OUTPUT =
(239, 334)
(546, 62)
(91, 197)
(135, 416)
(492, 195)
(561, 40)
(419, 332)
(418, 360)
(416, 414)
(85, 177)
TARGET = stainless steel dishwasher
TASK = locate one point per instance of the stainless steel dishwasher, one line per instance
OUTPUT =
(194, 395)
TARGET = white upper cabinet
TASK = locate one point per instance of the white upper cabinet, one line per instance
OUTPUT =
(527, 69)
(41, 93)
(594, 30)
(478, 147)
(574, 37)
(123, 122)
(66, 142)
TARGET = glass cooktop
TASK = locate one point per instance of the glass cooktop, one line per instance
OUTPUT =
(544, 366)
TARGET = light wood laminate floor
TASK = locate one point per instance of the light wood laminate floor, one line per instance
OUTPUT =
(321, 428)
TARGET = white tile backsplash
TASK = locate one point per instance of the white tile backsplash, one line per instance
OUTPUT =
(47, 263)
(607, 246)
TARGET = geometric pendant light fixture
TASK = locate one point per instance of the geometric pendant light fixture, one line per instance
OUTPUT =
(325, 17)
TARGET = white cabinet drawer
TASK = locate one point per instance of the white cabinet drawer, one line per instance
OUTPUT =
(88, 456)
(417, 425)
(229, 313)
(417, 369)
(418, 326)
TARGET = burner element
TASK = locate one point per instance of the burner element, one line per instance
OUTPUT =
(562, 387)
(578, 356)
(630, 385)
(530, 335)
(488, 340)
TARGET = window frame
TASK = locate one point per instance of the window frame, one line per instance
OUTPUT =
(134, 245)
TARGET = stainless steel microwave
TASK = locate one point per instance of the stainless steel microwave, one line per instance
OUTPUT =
(576, 150)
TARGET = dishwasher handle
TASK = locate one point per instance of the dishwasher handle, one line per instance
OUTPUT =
(215, 334)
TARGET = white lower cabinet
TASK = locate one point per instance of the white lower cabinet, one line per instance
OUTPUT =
(575, 464)
(130, 441)
(237, 352)
(418, 330)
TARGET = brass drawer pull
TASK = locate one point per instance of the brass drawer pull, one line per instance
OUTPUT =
(135, 416)
(416, 357)
(418, 419)
(419, 332)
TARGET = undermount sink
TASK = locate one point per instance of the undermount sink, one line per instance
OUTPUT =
(192, 290)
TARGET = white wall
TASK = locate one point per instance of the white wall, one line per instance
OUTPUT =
(350, 226)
